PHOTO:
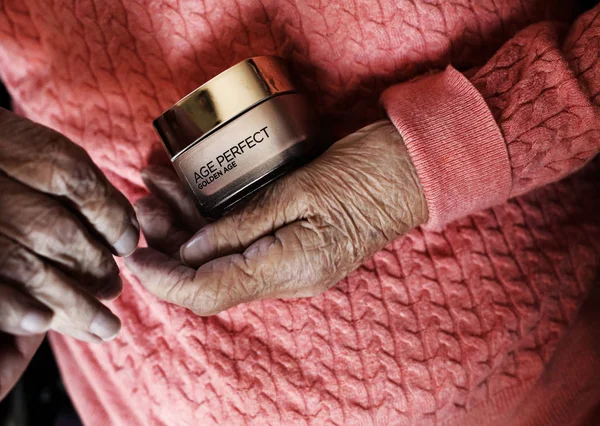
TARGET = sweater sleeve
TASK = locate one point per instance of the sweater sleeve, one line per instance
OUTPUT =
(529, 117)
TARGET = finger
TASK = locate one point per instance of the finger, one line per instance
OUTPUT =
(294, 262)
(277, 205)
(164, 184)
(20, 315)
(47, 161)
(161, 228)
(76, 312)
(44, 226)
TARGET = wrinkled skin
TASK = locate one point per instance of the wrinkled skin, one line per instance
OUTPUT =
(297, 238)
(60, 223)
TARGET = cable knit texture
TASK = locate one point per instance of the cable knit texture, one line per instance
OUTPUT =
(477, 322)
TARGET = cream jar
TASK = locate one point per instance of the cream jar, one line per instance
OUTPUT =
(238, 132)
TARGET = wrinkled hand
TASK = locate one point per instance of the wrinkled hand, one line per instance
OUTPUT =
(59, 220)
(297, 238)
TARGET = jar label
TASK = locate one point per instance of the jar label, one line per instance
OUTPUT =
(240, 147)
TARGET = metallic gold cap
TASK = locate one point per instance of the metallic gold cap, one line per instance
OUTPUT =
(221, 99)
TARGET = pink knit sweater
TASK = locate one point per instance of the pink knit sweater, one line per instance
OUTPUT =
(474, 319)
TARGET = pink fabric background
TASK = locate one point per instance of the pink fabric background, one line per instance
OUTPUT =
(474, 322)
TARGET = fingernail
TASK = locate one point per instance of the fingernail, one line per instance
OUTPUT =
(196, 251)
(105, 326)
(36, 322)
(128, 241)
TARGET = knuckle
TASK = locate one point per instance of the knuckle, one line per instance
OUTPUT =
(205, 305)
(64, 240)
(37, 281)
(20, 265)
(238, 283)
(201, 303)
(175, 288)
(74, 175)
(176, 294)
(53, 232)
(78, 182)
(75, 310)
(247, 279)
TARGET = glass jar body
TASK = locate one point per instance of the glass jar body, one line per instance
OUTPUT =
(243, 155)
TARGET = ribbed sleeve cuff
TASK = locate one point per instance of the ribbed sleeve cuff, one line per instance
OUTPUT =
(454, 142)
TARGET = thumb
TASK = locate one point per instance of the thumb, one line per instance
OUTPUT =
(279, 204)
(162, 275)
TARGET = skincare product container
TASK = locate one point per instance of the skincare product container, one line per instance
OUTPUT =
(238, 132)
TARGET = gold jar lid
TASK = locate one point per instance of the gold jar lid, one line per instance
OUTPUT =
(221, 99)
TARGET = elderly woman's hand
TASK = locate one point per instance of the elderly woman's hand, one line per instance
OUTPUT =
(59, 220)
(297, 238)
